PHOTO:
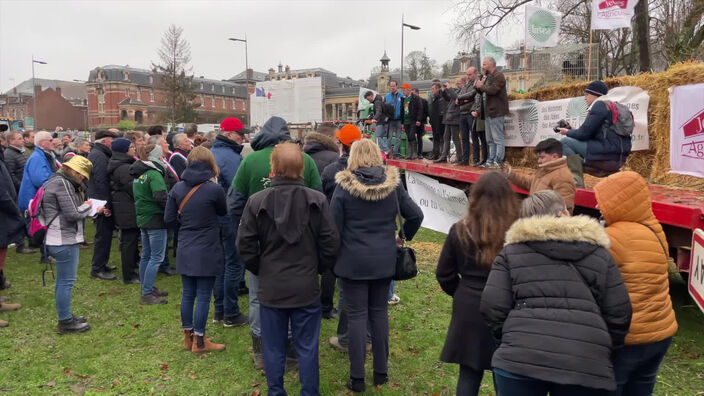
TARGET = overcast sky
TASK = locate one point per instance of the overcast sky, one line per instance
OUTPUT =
(346, 37)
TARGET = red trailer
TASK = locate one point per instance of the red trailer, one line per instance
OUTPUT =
(679, 211)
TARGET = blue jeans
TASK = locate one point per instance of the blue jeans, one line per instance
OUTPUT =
(572, 146)
(495, 138)
(381, 134)
(66, 270)
(196, 289)
(509, 384)
(227, 284)
(305, 325)
(636, 367)
(391, 289)
(153, 250)
(394, 134)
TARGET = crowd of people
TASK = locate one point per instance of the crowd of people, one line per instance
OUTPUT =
(549, 302)
(472, 114)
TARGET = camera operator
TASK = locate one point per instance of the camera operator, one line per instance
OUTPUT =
(587, 142)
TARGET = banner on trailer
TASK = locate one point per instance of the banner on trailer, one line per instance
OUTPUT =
(530, 121)
(295, 100)
(542, 27)
(488, 48)
(363, 103)
(687, 130)
(612, 14)
(442, 205)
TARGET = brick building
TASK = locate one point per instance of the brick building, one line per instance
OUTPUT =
(125, 93)
(59, 103)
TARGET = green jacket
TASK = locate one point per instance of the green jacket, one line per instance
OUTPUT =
(254, 173)
(149, 191)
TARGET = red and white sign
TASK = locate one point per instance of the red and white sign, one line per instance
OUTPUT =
(696, 268)
(612, 14)
(687, 130)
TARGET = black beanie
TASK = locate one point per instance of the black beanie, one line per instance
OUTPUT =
(597, 88)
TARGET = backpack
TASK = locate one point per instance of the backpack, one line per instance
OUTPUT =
(621, 120)
(37, 229)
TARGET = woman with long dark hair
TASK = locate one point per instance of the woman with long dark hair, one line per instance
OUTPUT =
(470, 248)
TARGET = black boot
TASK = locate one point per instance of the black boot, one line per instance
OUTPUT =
(72, 326)
(4, 284)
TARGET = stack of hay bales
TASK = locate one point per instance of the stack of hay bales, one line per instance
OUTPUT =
(652, 164)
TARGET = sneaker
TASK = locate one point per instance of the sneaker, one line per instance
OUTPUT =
(170, 271)
(25, 250)
(335, 343)
(159, 293)
(394, 300)
(217, 317)
(356, 385)
(237, 321)
(331, 314)
(132, 281)
(151, 299)
(3, 323)
(72, 326)
(103, 275)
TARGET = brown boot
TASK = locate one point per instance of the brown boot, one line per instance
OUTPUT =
(3, 323)
(9, 307)
(187, 340)
(202, 344)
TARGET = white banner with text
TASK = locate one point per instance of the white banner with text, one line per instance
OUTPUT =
(687, 130)
(530, 121)
(442, 205)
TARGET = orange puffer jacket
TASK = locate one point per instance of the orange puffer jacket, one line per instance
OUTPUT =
(624, 201)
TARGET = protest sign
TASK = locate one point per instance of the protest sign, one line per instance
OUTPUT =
(687, 130)
(442, 205)
(612, 14)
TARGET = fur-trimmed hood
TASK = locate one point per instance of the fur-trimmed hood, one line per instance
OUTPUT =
(564, 229)
(320, 140)
(371, 184)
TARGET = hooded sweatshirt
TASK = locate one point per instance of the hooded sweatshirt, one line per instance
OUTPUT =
(149, 191)
(254, 173)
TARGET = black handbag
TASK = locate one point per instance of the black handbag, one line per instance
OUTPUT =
(406, 267)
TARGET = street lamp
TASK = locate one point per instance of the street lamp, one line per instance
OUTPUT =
(403, 25)
(246, 70)
(34, 95)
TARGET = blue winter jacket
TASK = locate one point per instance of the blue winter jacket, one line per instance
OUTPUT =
(601, 146)
(37, 170)
(398, 108)
(228, 156)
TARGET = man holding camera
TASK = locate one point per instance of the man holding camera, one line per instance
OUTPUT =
(492, 86)
(393, 128)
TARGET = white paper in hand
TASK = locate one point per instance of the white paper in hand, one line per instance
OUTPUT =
(96, 203)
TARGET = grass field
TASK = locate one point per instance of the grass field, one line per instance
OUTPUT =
(136, 350)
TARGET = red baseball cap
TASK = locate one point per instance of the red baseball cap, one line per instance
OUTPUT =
(231, 124)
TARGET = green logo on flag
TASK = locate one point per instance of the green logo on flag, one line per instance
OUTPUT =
(542, 26)
(492, 50)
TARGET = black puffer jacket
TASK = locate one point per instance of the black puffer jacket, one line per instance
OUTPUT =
(322, 148)
(99, 182)
(121, 190)
(12, 221)
(15, 159)
(365, 206)
(556, 300)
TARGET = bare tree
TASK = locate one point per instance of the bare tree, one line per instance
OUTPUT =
(175, 77)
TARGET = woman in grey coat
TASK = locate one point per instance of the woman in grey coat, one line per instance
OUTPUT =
(63, 211)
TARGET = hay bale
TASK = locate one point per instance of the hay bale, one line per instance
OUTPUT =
(653, 164)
